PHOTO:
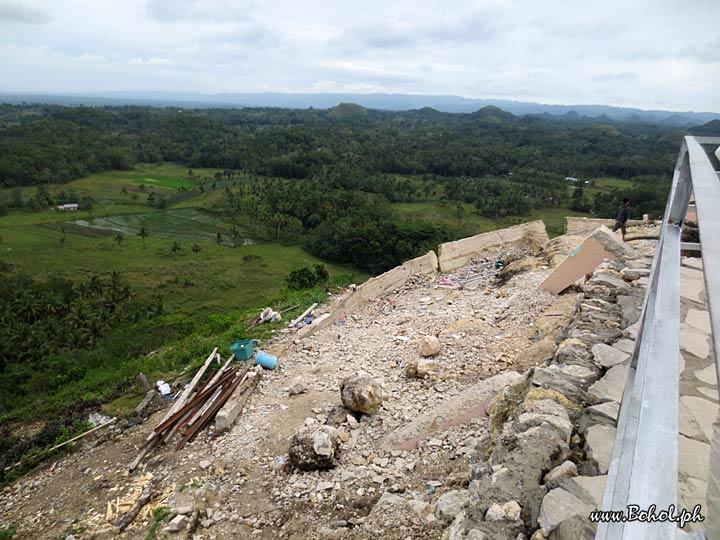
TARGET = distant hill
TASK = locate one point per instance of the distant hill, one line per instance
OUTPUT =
(347, 111)
(393, 102)
(712, 129)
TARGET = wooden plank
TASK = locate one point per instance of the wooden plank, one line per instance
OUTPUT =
(153, 438)
(303, 315)
(111, 421)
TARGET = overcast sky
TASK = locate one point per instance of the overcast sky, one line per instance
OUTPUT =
(640, 53)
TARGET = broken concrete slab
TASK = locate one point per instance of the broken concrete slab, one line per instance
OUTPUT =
(582, 261)
(612, 385)
(559, 505)
(599, 442)
(607, 356)
(462, 409)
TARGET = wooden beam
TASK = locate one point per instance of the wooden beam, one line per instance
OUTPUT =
(304, 314)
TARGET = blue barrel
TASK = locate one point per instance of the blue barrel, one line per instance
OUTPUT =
(268, 361)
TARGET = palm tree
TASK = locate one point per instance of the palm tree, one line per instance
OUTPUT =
(196, 248)
(235, 235)
(143, 234)
(119, 237)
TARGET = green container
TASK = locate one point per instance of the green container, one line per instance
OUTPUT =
(243, 349)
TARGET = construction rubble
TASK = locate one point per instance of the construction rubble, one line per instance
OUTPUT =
(469, 405)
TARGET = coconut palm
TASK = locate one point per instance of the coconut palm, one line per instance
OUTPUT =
(144, 233)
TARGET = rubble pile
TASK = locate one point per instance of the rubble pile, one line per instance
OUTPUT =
(471, 405)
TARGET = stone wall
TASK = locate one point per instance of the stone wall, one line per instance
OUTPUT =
(454, 255)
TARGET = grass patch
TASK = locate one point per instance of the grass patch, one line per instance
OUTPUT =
(469, 222)
(160, 516)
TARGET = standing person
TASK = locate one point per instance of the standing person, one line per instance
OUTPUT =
(622, 216)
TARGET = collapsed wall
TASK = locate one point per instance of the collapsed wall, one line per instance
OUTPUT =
(454, 255)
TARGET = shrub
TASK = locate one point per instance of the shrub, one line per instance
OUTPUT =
(307, 277)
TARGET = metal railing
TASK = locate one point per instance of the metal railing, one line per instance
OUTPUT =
(644, 465)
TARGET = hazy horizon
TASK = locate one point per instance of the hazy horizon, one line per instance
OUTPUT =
(649, 54)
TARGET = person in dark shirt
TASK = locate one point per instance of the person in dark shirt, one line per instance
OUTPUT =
(622, 216)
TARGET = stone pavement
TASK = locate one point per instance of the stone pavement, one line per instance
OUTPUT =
(698, 388)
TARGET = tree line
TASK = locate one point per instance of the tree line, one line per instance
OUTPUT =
(54, 144)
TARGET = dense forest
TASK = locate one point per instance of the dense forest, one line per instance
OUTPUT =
(54, 144)
(327, 178)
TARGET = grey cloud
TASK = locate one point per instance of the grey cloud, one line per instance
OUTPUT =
(17, 12)
(705, 53)
(469, 28)
(379, 36)
(615, 77)
(199, 10)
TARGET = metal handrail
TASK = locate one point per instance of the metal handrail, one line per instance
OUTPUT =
(643, 469)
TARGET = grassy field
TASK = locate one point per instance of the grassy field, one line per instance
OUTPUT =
(119, 188)
(215, 280)
(610, 183)
(470, 222)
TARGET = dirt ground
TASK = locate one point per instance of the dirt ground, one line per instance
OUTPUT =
(239, 485)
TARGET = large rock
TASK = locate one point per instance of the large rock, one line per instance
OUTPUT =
(558, 506)
(567, 386)
(315, 448)
(361, 393)
(607, 356)
(608, 280)
(462, 408)
(566, 469)
(631, 274)
(540, 352)
(590, 489)
(575, 528)
(599, 442)
(609, 240)
(537, 449)
(510, 511)
(611, 386)
(297, 386)
(421, 368)
(561, 424)
(450, 504)
(429, 346)
(517, 267)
